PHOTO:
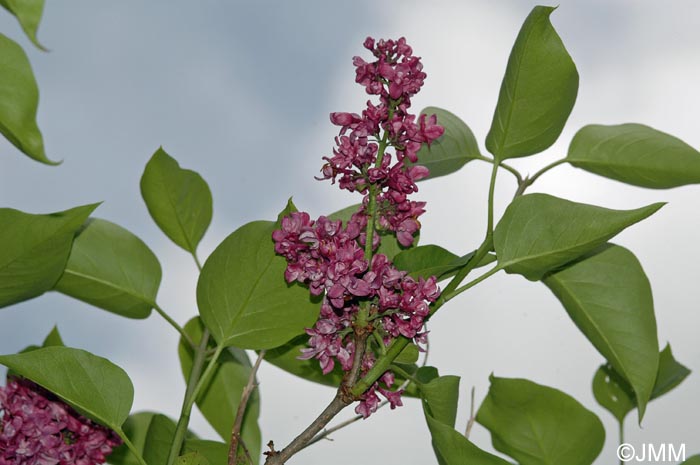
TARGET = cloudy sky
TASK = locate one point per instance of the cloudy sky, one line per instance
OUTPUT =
(241, 92)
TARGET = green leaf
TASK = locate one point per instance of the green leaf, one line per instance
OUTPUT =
(455, 148)
(159, 438)
(243, 297)
(216, 453)
(93, 385)
(178, 200)
(285, 358)
(694, 460)
(53, 338)
(671, 373)
(612, 392)
(607, 295)
(538, 91)
(388, 246)
(135, 428)
(192, 458)
(615, 394)
(408, 355)
(19, 99)
(452, 448)
(111, 268)
(28, 13)
(34, 250)
(220, 398)
(440, 397)
(424, 261)
(539, 425)
(635, 154)
(539, 232)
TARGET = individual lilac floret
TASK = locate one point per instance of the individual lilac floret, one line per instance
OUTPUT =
(38, 429)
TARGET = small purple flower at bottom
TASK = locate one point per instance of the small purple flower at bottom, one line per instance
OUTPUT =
(36, 428)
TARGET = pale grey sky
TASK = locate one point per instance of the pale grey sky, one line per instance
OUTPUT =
(241, 91)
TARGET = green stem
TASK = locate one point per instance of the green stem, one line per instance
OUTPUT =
(473, 283)
(492, 189)
(405, 374)
(480, 253)
(380, 367)
(621, 432)
(513, 171)
(545, 169)
(133, 449)
(194, 385)
(527, 182)
(174, 324)
(196, 261)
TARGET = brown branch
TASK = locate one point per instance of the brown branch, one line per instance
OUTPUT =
(472, 417)
(328, 431)
(280, 457)
(238, 422)
(342, 399)
(246, 451)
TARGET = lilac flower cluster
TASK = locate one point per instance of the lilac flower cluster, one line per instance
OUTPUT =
(331, 259)
(395, 77)
(38, 429)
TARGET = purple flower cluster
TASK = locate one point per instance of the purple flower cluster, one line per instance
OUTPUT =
(38, 429)
(395, 76)
(330, 258)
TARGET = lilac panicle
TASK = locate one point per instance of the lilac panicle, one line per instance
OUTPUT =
(330, 258)
(36, 428)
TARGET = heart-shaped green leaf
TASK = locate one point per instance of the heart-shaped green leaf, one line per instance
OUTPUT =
(192, 458)
(34, 250)
(242, 295)
(440, 396)
(93, 385)
(220, 398)
(635, 154)
(19, 99)
(178, 200)
(614, 393)
(455, 148)
(539, 232)
(607, 294)
(286, 358)
(539, 425)
(53, 338)
(452, 448)
(111, 268)
(28, 13)
(538, 91)
(216, 453)
(424, 261)
(159, 438)
(137, 428)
